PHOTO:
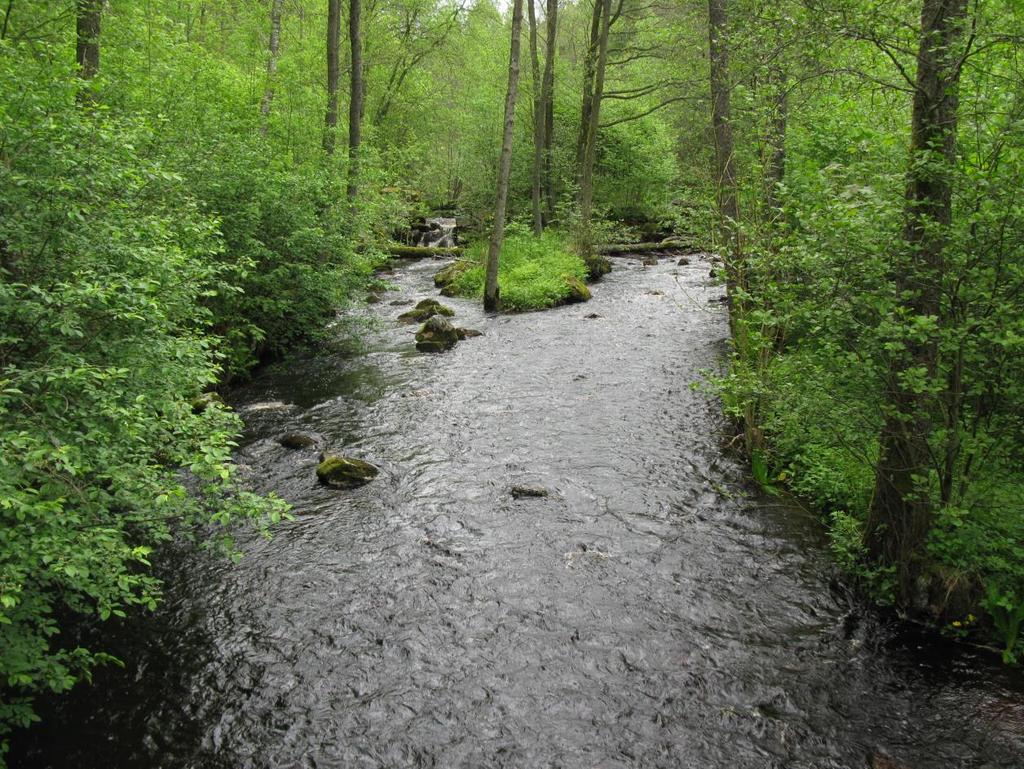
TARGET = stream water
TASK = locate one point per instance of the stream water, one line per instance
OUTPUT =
(653, 611)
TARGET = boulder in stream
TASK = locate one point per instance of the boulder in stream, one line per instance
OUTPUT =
(468, 333)
(518, 491)
(424, 310)
(297, 441)
(445, 278)
(345, 472)
(578, 291)
(436, 335)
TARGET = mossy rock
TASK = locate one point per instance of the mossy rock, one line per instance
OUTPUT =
(425, 310)
(202, 402)
(597, 267)
(345, 472)
(446, 277)
(578, 291)
(437, 335)
(468, 333)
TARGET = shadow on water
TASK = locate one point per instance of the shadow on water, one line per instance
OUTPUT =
(651, 611)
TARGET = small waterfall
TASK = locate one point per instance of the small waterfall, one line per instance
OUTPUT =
(439, 233)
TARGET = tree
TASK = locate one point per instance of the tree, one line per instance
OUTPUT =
(725, 170)
(547, 105)
(333, 43)
(87, 47)
(355, 106)
(491, 291)
(538, 126)
(593, 116)
(901, 513)
(275, 41)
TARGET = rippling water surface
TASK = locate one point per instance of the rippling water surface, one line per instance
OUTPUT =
(652, 611)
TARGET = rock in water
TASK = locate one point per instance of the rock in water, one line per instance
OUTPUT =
(446, 277)
(297, 441)
(425, 310)
(597, 267)
(437, 335)
(578, 291)
(345, 472)
(468, 333)
(520, 491)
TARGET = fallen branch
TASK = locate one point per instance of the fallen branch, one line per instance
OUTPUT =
(421, 252)
(625, 249)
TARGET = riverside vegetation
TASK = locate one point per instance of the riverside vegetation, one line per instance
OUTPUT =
(188, 205)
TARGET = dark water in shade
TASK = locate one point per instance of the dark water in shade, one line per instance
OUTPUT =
(653, 611)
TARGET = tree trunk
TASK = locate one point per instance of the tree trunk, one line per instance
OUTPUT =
(589, 66)
(355, 107)
(901, 512)
(275, 42)
(548, 105)
(333, 42)
(590, 142)
(491, 292)
(87, 45)
(725, 171)
(538, 125)
(775, 168)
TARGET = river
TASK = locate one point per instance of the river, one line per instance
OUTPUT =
(654, 610)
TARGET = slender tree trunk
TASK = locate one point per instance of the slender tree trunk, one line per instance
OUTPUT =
(775, 168)
(538, 125)
(87, 46)
(355, 107)
(721, 121)
(491, 292)
(275, 42)
(548, 106)
(901, 513)
(589, 66)
(333, 42)
(593, 123)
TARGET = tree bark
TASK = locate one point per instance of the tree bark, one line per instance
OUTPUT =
(590, 142)
(721, 122)
(538, 125)
(333, 42)
(275, 42)
(775, 168)
(88, 14)
(901, 513)
(355, 107)
(589, 66)
(492, 295)
(548, 105)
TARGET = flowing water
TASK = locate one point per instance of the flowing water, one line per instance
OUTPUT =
(652, 611)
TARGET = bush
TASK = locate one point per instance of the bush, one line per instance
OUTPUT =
(106, 263)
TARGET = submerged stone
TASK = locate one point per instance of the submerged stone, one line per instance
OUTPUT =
(519, 491)
(436, 335)
(468, 333)
(424, 310)
(345, 472)
(297, 441)
(578, 291)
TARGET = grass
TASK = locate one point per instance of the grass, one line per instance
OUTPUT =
(533, 272)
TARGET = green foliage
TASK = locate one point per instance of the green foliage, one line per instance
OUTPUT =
(532, 271)
(106, 267)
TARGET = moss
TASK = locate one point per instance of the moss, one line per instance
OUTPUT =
(437, 335)
(345, 472)
(425, 310)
